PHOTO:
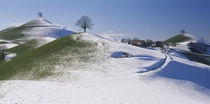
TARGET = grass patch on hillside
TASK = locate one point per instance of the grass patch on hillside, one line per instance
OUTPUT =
(40, 62)
(27, 46)
(12, 34)
(23, 48)
(178, 39)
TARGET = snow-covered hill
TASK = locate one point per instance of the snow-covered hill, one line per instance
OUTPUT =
(35, 29)
(180, 38)
(149, 77)
(40, 27)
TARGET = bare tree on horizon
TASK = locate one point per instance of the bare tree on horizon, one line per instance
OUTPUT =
(183, 31)
(84, 23)
(40, 14)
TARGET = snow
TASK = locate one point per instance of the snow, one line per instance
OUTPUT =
(43, 41)
(170, 79)
(8, 44)
(182, 46)
(1, 40)
(41, 22)
(10, 56)
(54, 32)
(180, 68)
(189, 35)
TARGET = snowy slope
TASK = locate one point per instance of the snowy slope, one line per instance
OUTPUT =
(113, 80)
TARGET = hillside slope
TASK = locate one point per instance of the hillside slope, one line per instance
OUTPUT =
(28, 46)
(39, 62)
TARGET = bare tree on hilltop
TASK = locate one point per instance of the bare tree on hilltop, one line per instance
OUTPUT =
(84, 23)
(40, 14)
(183, 31)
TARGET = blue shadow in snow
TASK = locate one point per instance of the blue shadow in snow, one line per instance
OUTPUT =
(181, 71)
(148, 59)
(146, 56)
(154, 66)
(121, 55)
(148, 48)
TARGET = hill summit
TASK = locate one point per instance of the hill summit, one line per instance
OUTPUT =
(180, 38)
(37, 28)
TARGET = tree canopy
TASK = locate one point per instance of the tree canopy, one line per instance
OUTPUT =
(84, 23)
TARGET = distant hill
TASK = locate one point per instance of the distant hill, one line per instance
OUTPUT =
(179, 38)
(34, 29)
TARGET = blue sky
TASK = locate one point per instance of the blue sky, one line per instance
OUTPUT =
(144, 19)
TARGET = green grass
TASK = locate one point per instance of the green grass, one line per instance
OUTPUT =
(40, 62)
(12, 34)
(16, 32)
(25, 47)
(178, 39)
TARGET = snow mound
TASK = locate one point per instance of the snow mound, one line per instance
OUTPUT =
(10, 56)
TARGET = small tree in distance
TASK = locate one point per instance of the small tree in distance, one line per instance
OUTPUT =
(84, 23)
(183, 31)
(40, 14)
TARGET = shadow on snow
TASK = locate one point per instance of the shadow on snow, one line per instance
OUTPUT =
(181, 71)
